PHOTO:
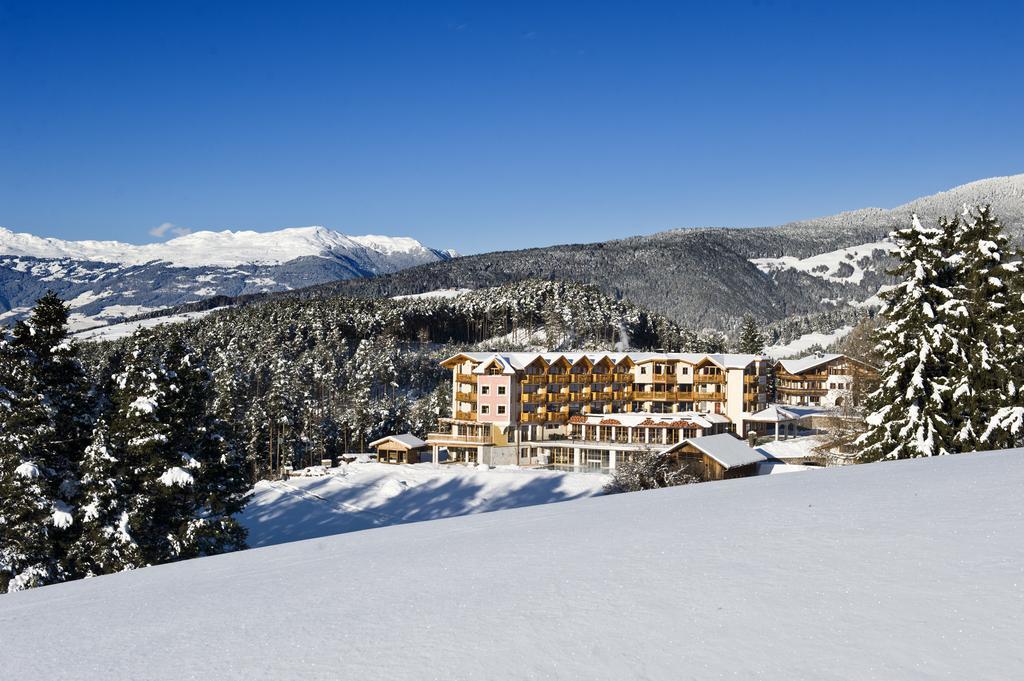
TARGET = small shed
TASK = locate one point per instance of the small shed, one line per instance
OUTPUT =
(719, 457)
(404, 448)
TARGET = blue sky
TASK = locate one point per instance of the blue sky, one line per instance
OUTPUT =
(481, 126)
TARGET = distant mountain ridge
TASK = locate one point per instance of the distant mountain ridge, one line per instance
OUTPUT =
(110, 280)
(713, 276)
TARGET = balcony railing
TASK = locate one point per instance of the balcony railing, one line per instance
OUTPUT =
(803, 391)
(709, 378)
(709, 397)
(622, 378)
(531, 417)
(449, 437)
(463, 396)
(558, 378)
(464, 416)
(466, 378)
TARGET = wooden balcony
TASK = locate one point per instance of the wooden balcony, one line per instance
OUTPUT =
(751, 378)
(532, 417)
(535, 379)
(464, 416)
(581, 378)
(558, 397)
(622, 378)
(534, 398)
(709, 397)
(466, 378)
(709, 378)
(558, 378)
(784, 376)
(462, 396)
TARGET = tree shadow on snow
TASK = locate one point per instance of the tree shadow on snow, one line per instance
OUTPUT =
(331, 505)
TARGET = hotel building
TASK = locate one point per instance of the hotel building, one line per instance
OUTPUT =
(540, 408)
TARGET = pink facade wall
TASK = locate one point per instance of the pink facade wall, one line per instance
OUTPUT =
(493, 399)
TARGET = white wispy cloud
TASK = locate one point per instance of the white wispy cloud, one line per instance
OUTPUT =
(169, 229)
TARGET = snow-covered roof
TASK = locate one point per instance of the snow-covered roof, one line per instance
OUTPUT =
(636, 418)
(407, 439)
(799, 366)
(518, 361)
(727, 450)
(773, 414)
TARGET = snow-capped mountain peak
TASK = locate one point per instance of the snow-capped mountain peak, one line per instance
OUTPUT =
(227, 248)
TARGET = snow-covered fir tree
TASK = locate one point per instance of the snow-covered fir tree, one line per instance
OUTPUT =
(44, 419)
(160, 482)
(750, 339)
(909, 413)
(986, 317)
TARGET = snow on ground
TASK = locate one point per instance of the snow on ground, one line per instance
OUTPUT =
(793, 448)
(807, 341)
(844, 266)
(360, 496)
(905, 570)
(439, 293)
(123, 329)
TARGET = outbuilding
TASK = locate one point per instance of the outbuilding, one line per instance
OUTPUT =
(404, 448)
(719, 457)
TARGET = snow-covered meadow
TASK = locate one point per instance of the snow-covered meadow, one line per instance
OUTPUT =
(903, 570)
(361, 496)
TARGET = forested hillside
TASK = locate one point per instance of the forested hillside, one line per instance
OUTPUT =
(302, 379)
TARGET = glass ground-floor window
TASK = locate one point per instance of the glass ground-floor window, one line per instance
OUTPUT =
(462, 454)
(561, 456)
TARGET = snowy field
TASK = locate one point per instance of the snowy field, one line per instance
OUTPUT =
(361, 496)
(125, 329)
(911, 570)
(801, 345)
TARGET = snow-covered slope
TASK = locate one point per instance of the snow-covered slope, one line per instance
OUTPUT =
(107, 281)
(908, 570)
(361, 496)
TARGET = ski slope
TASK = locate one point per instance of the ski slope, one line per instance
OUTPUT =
(907, 570)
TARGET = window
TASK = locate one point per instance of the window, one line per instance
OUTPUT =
(485, 390)
(501, 390)
(485, 409)
(684, 370)
(643, 370)
(501, 408)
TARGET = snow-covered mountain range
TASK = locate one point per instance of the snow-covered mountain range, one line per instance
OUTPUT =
(110, 280)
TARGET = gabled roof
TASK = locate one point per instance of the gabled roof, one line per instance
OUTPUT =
(520, 360)
(774, 414)
(407, 439)
(727, 450)
(802, 364)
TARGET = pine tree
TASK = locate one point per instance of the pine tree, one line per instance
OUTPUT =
(986, 318)
(909, 412)
(44, 419)
(751, 340)
(28, 554)
(160, 481)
